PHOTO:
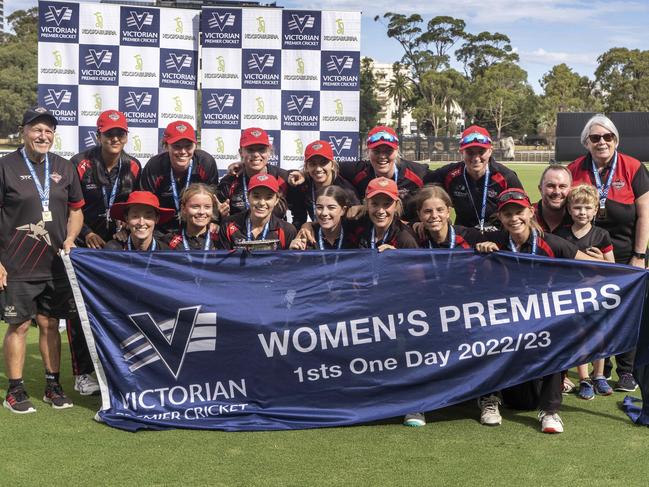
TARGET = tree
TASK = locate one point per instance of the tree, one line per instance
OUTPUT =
(433, 110)
(369, 104)
(399, 88)
(623, 79)
(481, 51)
(18, 65)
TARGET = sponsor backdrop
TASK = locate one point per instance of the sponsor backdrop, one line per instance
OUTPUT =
(294, 73)
(93, 57)
(336, 338)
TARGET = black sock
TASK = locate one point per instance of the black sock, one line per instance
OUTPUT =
(52, 377)
(13, 383)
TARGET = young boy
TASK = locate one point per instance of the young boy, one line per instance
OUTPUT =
(582, 205)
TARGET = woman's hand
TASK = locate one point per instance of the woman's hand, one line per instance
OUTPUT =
(94, 241)
(383, 247)
(595, 253)
(298, 243)
(486, 247)
(121, 236)
(224, 208)
(295, 178)
(354, 212)
(306, 232)
(235, 168)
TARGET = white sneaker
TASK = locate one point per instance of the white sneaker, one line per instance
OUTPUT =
(489, 413)
(86, 384)
(414, 419)
(550, 423)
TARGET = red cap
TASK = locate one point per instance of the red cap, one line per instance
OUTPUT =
(118, 210)
(382, 135)
(382, 186)
(266, 180)
(515, 196)
(319, 148)
(111, 119)
(254, 136)
(179, 130)
(475, 136)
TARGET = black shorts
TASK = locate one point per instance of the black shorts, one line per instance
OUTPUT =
(23, 300)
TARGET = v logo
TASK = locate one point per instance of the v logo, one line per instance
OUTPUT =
(172, 349)
(300, 103)
(139, 20)
(221, 21)
(338, 64)
(178, 62)
(56, 98)
(300, 23)
(58, 16)
(98, 57)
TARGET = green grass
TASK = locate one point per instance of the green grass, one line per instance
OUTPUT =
(599, 447)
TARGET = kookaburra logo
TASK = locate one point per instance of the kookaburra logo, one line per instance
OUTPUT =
(169, 341)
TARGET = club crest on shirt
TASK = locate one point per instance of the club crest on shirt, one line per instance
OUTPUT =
(618, 184)
(56, 177)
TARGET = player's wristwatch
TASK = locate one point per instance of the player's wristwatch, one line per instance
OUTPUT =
(638, 255)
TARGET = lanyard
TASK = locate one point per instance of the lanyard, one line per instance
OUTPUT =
(603, 190)
(264, 232)
(153, 244)
(207, 240)
(372, 236)
(483, 209)
(313, 198)
(451, 238)
(245, 191)
(512, 245)
(108, 202)
(340, 238)
(43, 193)
(174, 188)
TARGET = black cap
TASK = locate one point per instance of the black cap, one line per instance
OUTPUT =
(33, 113)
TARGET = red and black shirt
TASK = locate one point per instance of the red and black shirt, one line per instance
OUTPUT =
(548, 245)
(398, 235)
(410, 179)
(301, 204)
(233, 231)
(156, 177)
(117, 245)
(630, 181)
(232, 188)
(538, 214)
(94, 176)
(29, 246)
(466, 194)
(465, 238)
(197, 242)
(596, 237)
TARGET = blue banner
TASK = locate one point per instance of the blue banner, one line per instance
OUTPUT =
(289, 340)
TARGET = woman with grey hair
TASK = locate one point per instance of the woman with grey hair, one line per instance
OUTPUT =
(622, 183)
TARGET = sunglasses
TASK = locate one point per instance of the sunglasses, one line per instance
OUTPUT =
(475, 137)
(595, 138)
(384, 136)
(119, 133)
(512, 195)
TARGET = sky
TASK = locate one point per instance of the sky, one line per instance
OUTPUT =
(543, 32)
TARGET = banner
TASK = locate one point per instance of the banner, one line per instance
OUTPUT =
(295, 73)
(289, 340)
(93, 57)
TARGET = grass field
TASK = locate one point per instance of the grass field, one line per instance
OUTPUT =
(599, 447)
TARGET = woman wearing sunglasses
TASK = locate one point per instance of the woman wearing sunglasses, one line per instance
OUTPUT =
(474, 182)
(622, 183)
(521, 233)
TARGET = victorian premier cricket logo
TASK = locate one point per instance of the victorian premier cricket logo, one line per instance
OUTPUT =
(171, 340)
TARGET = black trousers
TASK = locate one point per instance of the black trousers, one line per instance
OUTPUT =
(543, 394)
(81, 361)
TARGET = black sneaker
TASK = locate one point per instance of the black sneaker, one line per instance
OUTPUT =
(626, 383)
(55, 396)
(17, 401)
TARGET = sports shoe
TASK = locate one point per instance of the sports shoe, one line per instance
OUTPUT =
(489, 413)
(586, 391)
(17, 401)
(568, 386)
(601, 387)
(414, 419)
(86, 384)
(626, 383)
(55, 396)
(550, 423)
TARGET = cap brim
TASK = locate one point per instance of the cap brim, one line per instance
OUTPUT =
(372, 194)
(118, 211)
(51, 118)
(173, 140)
(108, 127)
(373, 145)
(523, 203)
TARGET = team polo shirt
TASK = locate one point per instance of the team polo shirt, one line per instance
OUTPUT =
(29, 246)
(465, 238)
(196, 242)
(410, 179)
(630, 181)
(347, 234)
(89, 164)
(233, 231)
(463, 190)
(538, 214)
(596, 237)
(156, 178)
(399, 235)
(117, 245)
(548, 244)
(301, 204)
(231, 188)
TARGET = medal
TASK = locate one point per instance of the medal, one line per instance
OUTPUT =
(603, 188)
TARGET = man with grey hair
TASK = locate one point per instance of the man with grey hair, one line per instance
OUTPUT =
(40, 214)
